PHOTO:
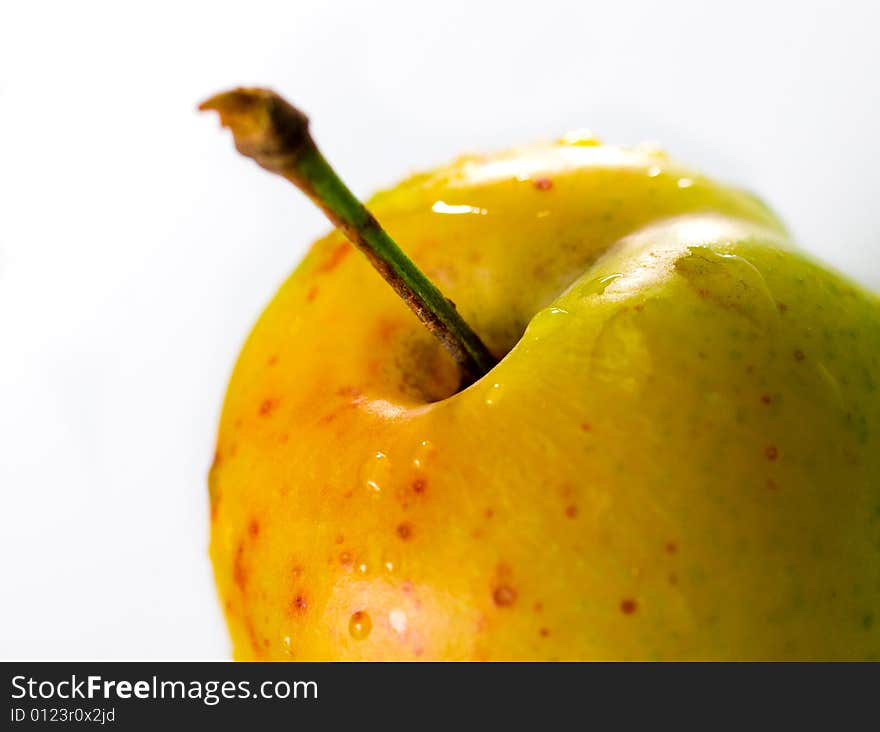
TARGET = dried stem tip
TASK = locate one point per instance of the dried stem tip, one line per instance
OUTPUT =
(276, 135)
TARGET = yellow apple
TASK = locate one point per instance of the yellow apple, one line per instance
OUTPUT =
(677, 456)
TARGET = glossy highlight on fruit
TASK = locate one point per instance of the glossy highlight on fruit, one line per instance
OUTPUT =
(677, 457)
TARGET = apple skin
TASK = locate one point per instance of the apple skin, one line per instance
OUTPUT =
(678, 457)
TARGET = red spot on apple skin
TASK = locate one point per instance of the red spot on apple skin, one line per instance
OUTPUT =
(345, 559)
(799, 355)
(272, 360)
(312, 293)
(586, 426)
(489, 513)
(571, 511)
(772, 452)
(543, 184)
(771, 484)
(254, 528)
(340, 538)
(766, 399)
(405, 531)
(419, 485)
(239, 572)
(267, 406)
(628, 606)
(335, 257)
(299, 605)
(504, 596)
(544, 632)
(538, 607)
(254, 639)
(671, 547)
(673, 579)
(782, 307)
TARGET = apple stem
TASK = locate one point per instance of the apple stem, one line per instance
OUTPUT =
(276, 135)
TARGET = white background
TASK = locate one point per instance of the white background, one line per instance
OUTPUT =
(136, 249)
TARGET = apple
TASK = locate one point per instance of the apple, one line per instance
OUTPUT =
(676, 456)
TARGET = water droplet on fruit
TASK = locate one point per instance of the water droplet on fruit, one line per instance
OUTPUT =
(580, 138)
(423, 452)
(600, 284)
(376, 471)
(730, 281)
(442, 207)
(492, 397)
(360, 625)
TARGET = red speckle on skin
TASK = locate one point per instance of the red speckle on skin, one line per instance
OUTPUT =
(283, 438)
(312, 293)
(571, 511)
(419, 651)
(268, 406)
(628, 606)
(538, 607)
(297, 570)
(771, 452)
(671, 547)
(272, 360)
(335, 257)
(799, 355)
(239, 573)
(771, 484)
(489, 513)
(405, 531)
(543, 184)
(782, 307)
(299, 604)
(504, 596)
(419, 485)
(386, 330)
(766, 399)
(252, 635)
(345, 559)
(586, 426)
(544, 632)
(406, 586)
(673, 579)
(340, 538)
(254, 528)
